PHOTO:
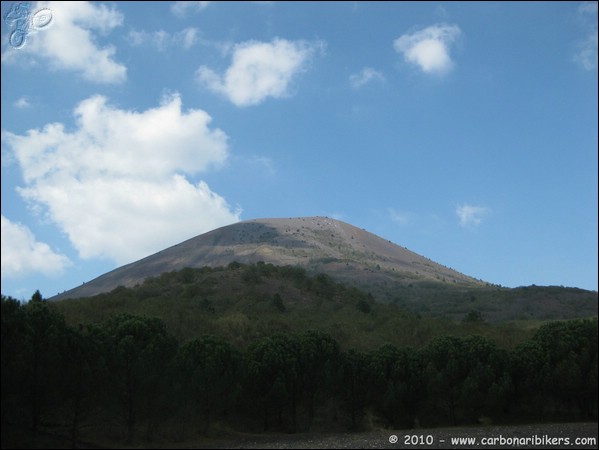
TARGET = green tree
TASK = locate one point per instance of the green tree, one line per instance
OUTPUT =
(559, 367)
(460, 373)
(395, 382)
(277, 302)
(43, 331)
(14, 363)
(317, 361)
(251, 275)
(474, 316)
(353, 385)
(37, 297)
(140, 352)
(324, 286)
(272, 377)
(82, 376)
(209, 369)
(528, 375)
(364, 306)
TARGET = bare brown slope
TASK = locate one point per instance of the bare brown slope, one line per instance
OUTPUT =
(341, 250)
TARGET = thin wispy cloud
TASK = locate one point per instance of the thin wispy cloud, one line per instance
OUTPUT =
(586, 54)
(365, 76)
(22, 103)
(470, 215)
(71, 43)
(266, 163)
(588, 8)
(259, 70)
(400, 217)
(118, 184)
(163, 40)
(429, 48)
(181, 9)
(23, 255)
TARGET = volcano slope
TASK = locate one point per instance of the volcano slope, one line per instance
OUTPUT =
(319, 244)
(355, 257)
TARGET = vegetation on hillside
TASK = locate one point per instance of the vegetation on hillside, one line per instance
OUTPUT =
(243, 302)
(262, 348)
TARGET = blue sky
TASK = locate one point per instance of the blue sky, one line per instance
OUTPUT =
(466, 132)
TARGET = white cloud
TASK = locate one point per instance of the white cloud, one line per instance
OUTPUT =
(588, 7)
(365, 76)
(262, 164)
(22, 103)
(69, 44)
(429, 48)
(163, 40)
(469, 215)
(259, 70)
(401, 218)
(189, 37)
(116, 185)
(181, 9)
(586, 55)
(22, 254)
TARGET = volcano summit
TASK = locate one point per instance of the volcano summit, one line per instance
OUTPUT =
(319, 244)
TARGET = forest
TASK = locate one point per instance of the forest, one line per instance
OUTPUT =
(132, 378)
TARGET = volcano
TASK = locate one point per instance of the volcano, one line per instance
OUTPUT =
(319, 244)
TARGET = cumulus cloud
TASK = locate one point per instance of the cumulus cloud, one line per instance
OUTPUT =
(259, 70)
(470, 215)
(429, 48)
(116, 185)
(163, 40)
(70, 43)
(181, 9)
(365, 76)
(22, 254)
(586, 55)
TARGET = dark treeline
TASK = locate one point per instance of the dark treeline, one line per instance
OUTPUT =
(128, 379)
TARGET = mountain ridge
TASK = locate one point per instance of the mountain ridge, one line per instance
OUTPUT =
(319, 244)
